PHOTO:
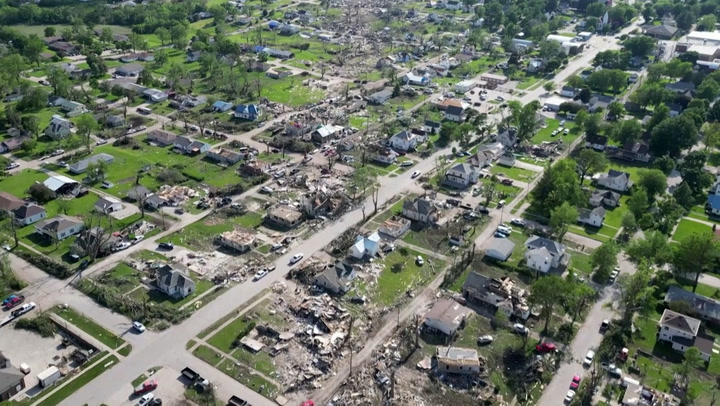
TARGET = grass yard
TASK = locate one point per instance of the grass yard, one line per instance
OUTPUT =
(698, 212)
(613, 216)
(39, 30)
(157, 297)
(261, 361)
(19, 183)
(629, 167)
(246, 377)
(523, 175)
(85, 324)
(601, 234)
(200, 235)
(581, 262)
(223, 339)
(687, 227)
(545, 134)
(207, 354)
(77, 383)
(391, 284)
(122, 277)
(147, 255)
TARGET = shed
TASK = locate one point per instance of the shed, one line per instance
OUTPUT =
(500, 249)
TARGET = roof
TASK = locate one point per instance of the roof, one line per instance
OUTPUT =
(10, 202)
(537, 242)
(404, 136)
(503, 246)
(286, 212)
(183, 142)
(106, 201)
(247, 109)
(476, 281)
(28, 210)
(225, 153)
(681, 86)
(448, 312)
(56, 182)
(432, 124)
(705, 344)
(172, 276)
(420, 205)
(221, 105)
(454, 110)
(612, 173)
(586, 213)
(680, 322)
(58, 223)
(155, 200)
(238, 237)
(383, 93)
(339, 274)
(9, 377)
(597, 139)
(569, 89)
(456, 355)
(702, 305)
(82, 165)
(160, 135)
(130, 68)
(605, 194)
(665, 30)
(138, 191)
(704, 36)
(486, 76)
(463, 168)
(369, 243)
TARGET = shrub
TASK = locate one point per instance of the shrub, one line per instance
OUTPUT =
(193, 174)
(41, 325)
(171, 176)
(46, 264)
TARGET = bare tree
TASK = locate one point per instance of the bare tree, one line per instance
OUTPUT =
(94, 235)
(362, 209)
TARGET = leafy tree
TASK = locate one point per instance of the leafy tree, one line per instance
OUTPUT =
(616, 109)
(561, 218)
(35, 99)
(654, 248)
(636, 293)
(684, 196)
(32, 124)
(549, 86)
(673, 135)
(13, 65)
(593, 124)
(558, 185)
(49, 31)
(629, 223)
(653, 181)
(638, 202)
(604, 259)
(713, 114)
(585, 94)
(707, 23)
(711, 134)
(664, 164)
(547, 292)
(626, 131)
(695, 255)
(86, 124)
(580, 119)
(60, 82)
(692, 360)
(32, 48)
(607, 79)
(639, 45)
(692, 170)
(525, 119)
(590, 161)
(178, 36)
(708, 90)
(689, 56)
(612, 59)
(578, 298)
(40, 193)
(29, 144)
(651, 94)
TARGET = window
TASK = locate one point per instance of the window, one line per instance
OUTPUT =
(447, 366)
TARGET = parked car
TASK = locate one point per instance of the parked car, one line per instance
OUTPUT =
(613, 275)
(12, 165)
(518, 222)
(589, 358)
(604, 325)
(520, 329)
(23, 309)
(485, 340)
(570, 396)
(101, 142)
(419, 260)
(575, 383)
(296, 258)
(453, 202)
(407, 163)
(145, 387)
(8, 299)
(545, 347)
(267, 190)
(504, 229)
(501, 204)
(106, 184)
(138, 326)
(259, 275)
(146, 399)
(166, 245)
(415, 174)
(16, 300)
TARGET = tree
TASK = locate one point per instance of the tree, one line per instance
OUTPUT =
(525, 119)
(651, 94)
(636, 293)
(49, 31)
(578, 299)
(638, 202)
(711, 134)
(604, 259)
(708, 90)
(653, 181)
(549, 86)
(684, 196)
(40, 193)
(692, 360)
(664, 164)
(695, 255)
(593, 124)
(32, 48)
(29, 144)
(178, 36)
(545, 293)
(86, 124)
(639, 45)
(561, 218)
(654, 248)
(692, 171)
(362, 180)
(32, 124)
(707, 23)
(559, 184)
(616, 109)
(626, 131)
(629, 223)
(590, 161)
(60, 82)
(673, 135)
(580, 119)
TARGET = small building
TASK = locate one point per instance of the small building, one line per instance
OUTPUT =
(456, 360)
(500, 293)
(61, 185)
(569, 91)
(446, 316)
(596, 142)
(284, 215)
(704, 38)
(221, 106)
(664, 32)
(432, 127)
(138, 193)
(606, 198)
(10, 202)
(238, 240)
(415, 80)
(107, 204)
(543, 255)
(681, 87)
(324, 132)
(278, 53)
(493, 81)
(701, 306)
(58, 128)
(553, 103)
(594, 217)
(455, 113)
(59, 227)
(336, 278)
(365, 246)
(683, 332)
(500, 249)
(249, 112)
(465, 86)
(382, 154)
(420, 209)
(175, 281)
(155, 202)
(82, 166)
(380, 97)
(507, 160)
(461, 176)
(395, 226)
(131, 69)
(12, 144)
(615, 180)
(187, 146)
(225, 156)
(161, 138)
(29, 213)
(193, 56)
(63, 48)
(12, 380)
(72, 108)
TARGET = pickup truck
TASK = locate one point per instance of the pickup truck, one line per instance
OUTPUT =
(236, 401)
(14, 301)
(194, 377)
(145, 387)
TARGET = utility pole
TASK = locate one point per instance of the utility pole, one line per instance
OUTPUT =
(351, 360)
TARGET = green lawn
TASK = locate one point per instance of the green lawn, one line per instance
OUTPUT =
(19, 183)
(698, 212)
(688, 227)
(601, 234)
(260, 361)
(73, 386)
(122, 277)
(580, 262)
(523, 175)
(200, 235)
(613, 216)
(223, 339)
(545, 134)
(85, 324)
(391, 285)
(246, 377)
(207, 354)
(40, 29)
(157, 297)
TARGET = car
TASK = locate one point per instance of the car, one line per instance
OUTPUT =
(485, 339)
(137, 239)
(8, 299)
(501, 204)
(138, 326)
(122, 246)
(466, 206)
(296, 258)
(570, 396)
(179, 211)
(23, 309)
(613, 276)
(145, 387)
(482, 209)
(504, 229)
(507, 182)
(518, 222)
(500, 98)
(44, 82)
(520, 329)
(12, 165)
(476, 104)
(101, 142)
(566, 131)
(453, 202)
(467, 98)
(545, 347)
(141, 128)
(267, 190)
(604, 325)
(589, 358)
(166, 245)
(146, 399)
(14, 302)
(562, 123)
(498, 234)
(419, 260)
(575, 383)
(259, 275)
(415, 174)
(407, 163)
(106, 184)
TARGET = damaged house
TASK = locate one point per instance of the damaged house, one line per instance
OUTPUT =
(238, 240)
(284, 215)
(336, 278)
(321, 203)
(500, 293)
(446, 317)
(455, 360)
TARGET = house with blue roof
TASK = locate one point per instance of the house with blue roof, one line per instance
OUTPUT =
(249, 112)
(222, 106)
(365, 246)
(713, 205)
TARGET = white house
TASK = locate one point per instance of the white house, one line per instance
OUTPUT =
(29, 213)
(395, 226)
(58, 128)
(597, 142)
(72, 108)
(415, 80)
(366, 246)
(508, 137)
(453, 5)
(682, 332)
(446, 316)
(461, 175)
(569, 91)
(465, 86)
(455, 113)
(59, 227)
(382, 155)
(381, 96)
(108, 205)
(404, 141)
(422, 210)
(542, 254)
(175, 281)
(594, 217)
(615, 180)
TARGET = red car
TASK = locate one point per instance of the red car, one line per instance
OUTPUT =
(145, 387)
(14, 301)
(575, 383)
(545, 347)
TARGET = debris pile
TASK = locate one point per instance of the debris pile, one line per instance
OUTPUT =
(176, 194)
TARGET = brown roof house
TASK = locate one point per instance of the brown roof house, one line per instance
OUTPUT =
(161, 138)
(9, 202)
(446, 317)
(12, 381)
(29, 213)
(175, 281)
(59, 227)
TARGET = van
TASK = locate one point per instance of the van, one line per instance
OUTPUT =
(144, 110)
(504, 230)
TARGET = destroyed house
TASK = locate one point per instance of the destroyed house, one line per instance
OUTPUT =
(336, 278)
(500, 293)
(284, 215)
(237, 240)
(455, 360)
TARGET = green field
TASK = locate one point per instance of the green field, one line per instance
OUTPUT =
(82, 380)
(687, 227)
(522, 175)
(223, 339)
(39, 30)
(545, 134)
(200, 235)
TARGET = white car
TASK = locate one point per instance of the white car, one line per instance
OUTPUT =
(613, 276)
(259, 275)
(415, 174)
(518, 222)
(567, 131)
(589, 358)
(520, 329)
(122, 246)
(138, 326)
(562, 123)
(146, 399)
(504, 229)
(296, 258)
(23, 309)
(485, 340)
(570, 396)
(419, 260)
(12, 165)
(407, 163)
(138, 238)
